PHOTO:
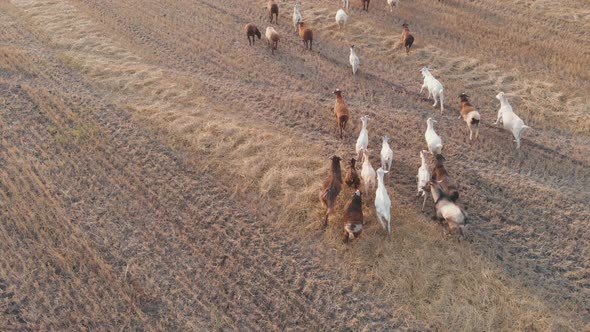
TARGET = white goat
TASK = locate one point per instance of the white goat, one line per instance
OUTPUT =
(454, 216)
(341, 18)
(345, 4)
(392, 3)
(354, 60)
(510, 120)
(382, 202)
(424, 175)
(297, 16)
(435, 88)
(386, 154)
(363, 141)
(433, 141)
(367, 173)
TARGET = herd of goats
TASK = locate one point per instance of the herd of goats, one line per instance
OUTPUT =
(432, 176)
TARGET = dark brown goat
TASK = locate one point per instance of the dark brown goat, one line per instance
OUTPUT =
(331, 187)
(252, 31)
(353, 217)
(306, 35)
(366, 4)
(407, 38)
(341, 111)
(352, 179)
(273, 9)
(442, 177)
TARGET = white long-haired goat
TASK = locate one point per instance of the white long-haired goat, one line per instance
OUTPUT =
(354, 60)
(435, 88)
(510, 120)
(382, 202)
(433, 141)
(341, 18)
(363, 141)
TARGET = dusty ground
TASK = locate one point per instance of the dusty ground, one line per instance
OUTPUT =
(157, 173)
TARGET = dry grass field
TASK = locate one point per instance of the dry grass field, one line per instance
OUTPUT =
(158, 173)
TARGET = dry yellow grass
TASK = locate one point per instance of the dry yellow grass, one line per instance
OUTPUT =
(264, 137)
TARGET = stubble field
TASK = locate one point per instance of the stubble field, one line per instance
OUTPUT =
(157, 173)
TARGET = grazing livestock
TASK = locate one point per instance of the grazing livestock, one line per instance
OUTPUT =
(435, 88)
(510, 120)
(454, 216)
(352, 178)
(272, 37)
(368, 172)
(433, 141)
(297, 16)
(442, 177)
(252, 32)
(407, 38)
(353, 217)
(469, 115)
(341, 18)
(366, 5)
(382, 202)
(341, 111)
(354, 60)
(306, 35)
(331, 187)
(424, 175)
(363, 141)
(392, 3)
(386, 154)
(273, 10)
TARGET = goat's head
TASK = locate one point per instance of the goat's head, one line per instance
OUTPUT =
(335, 159)
(405, 25)
(357, 193)
(500, 95)
(425, 155)
(431, 121)
(337, 92)
(385, 139)
(439, 159)
(464, 96)
(380, 171)
(364, 119)
(352, 162)
(257, 33)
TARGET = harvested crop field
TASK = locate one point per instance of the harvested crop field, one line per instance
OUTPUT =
(158, 173)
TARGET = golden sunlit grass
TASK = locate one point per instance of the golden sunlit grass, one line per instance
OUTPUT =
(446, 284)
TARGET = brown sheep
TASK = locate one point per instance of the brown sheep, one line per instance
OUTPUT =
(273, 9)
(442, 177)
(366, 4)
(341, 111)
(252, 31)
(407, 38)
(469, 115)
(353, 217)
(331, 187)
(306, 35)
(352, 179)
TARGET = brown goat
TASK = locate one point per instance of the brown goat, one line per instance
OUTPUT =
(469, 115)
(252, 31)
(306, 35)
(352, 179)
(353, 217)
(407, 38)
(366, 4)
(273, 9)
(341, 111)
(331, 187)
(442, 177)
